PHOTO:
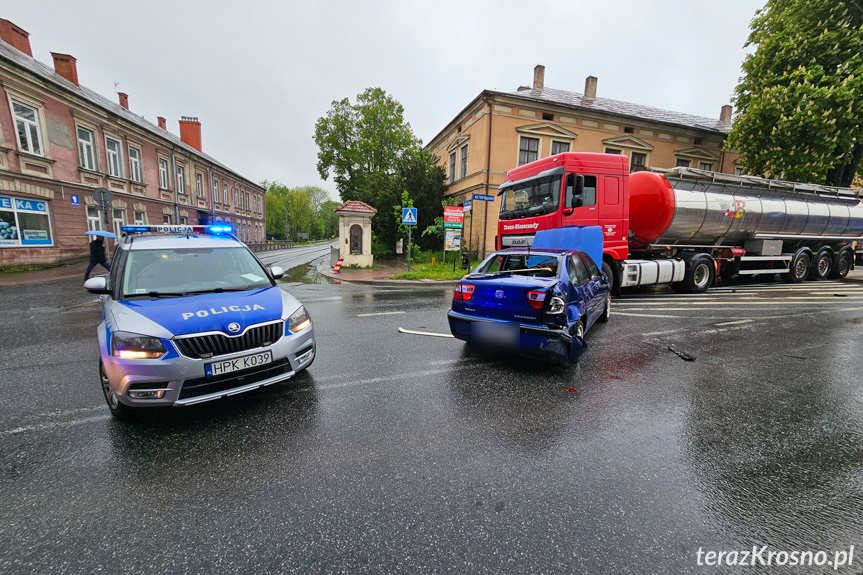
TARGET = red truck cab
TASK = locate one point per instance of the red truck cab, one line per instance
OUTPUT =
(570, 189)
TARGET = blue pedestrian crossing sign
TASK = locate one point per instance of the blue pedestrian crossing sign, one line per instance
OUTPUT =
(409, 216)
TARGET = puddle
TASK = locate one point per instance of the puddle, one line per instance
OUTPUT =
(306, 274)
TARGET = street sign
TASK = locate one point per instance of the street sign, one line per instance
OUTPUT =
(409, 216)
(468, 205)
(483, 197)
(76, 201)
(103, 195)
(453, 217)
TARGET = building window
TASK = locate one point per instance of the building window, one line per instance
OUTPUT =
(613, 151)
(236, 197)
(707, 166)
(94, 220)
(682, 163)
(199, 185)
(464, 161)
(215, 190)
(227, 198)
(115, 157)
(163, 174)
(738, 172)
(86, 151)
(547, 116)
(528, 150)
(166, 219)
(356, 239)
(559, 147)
(452, 167)
(119, 220)
(628, 130)
(140, 218)
(135, 165)
(27, 126)
(181, 180)
(183, 220)
(637, 162)
(248, 201)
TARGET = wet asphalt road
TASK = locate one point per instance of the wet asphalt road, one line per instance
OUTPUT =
(408, 454)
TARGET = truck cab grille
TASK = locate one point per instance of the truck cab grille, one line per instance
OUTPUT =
(216, 344)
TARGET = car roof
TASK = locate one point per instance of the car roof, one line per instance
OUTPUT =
(181, 241)
(538, 251)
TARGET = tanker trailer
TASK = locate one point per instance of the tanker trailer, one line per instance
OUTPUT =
(693, 227)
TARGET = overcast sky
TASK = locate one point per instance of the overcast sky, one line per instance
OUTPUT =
(259, 74)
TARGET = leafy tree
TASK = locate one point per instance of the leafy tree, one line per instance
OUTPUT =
(800, 103)
(300, 212)
(362, 140)
(329, 218)
(317, 196)
(276, 196)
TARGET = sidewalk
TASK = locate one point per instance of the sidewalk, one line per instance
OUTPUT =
(71, 270)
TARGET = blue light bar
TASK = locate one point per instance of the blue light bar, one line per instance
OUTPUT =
(178, 229)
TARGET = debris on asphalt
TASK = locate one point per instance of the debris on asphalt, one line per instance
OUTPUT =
(571, 389)
(428, 333)
(682, 354)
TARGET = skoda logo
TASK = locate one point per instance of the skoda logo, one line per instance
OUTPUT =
(233, 327)
(499, 294)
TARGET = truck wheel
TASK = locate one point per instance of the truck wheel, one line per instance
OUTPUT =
(843, 265)
(822, 265)
(118, 410)
(613, 286)
(699, 275)
(799, 267)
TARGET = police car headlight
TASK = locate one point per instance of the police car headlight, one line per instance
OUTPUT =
(134, 346)
(299, 320)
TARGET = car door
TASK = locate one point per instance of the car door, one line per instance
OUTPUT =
(598, 285)
(580, 289)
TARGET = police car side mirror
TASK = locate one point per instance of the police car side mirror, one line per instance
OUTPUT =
(277, 272)
(97, 286)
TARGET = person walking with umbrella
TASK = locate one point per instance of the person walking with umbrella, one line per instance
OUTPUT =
(97, 253)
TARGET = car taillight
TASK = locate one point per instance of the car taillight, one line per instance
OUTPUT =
(463, 292)
(536, 299)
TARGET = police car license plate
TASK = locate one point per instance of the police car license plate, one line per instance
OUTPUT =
(238, 364)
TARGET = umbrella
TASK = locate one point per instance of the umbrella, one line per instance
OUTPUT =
(101, 233)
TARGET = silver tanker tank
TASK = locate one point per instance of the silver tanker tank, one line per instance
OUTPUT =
(688, 207)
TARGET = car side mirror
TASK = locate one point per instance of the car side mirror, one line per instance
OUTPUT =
(98, 286)
(577, 200)
(277, 272)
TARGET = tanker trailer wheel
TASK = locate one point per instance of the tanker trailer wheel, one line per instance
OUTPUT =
(822, 265)
(699, 275)
(799, 266)
(843, 265)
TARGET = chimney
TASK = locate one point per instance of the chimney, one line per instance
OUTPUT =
(124, 100)
(725, 114)
(66, 66)
(15, 37)
(539, 77)
(163, 123)
(590, 87)
(190, 132)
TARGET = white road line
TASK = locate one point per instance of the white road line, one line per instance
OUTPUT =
(653, 315)
(432, 334)
(380, 313)
(53, 424)
(753, 303)
(735, 322)
(666, 332)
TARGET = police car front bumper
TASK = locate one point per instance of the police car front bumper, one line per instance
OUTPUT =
(183, 380)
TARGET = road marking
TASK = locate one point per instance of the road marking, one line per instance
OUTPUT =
(380, 313)
(39, 427)
(432, 334)
(666, 332)
(652, 314)
(735, 322)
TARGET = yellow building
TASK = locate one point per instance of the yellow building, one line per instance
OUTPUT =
(498, 131)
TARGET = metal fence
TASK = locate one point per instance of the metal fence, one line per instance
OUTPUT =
(271, 245)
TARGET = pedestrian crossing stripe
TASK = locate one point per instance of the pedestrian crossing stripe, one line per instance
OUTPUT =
(409, 216)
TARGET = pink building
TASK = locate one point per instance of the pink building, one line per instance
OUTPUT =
(59, 141)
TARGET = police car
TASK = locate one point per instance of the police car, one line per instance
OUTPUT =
(191, 315)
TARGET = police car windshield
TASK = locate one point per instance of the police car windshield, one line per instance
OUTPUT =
(179, 272)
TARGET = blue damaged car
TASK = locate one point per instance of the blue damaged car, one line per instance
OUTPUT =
(189, 315)
(538, 302)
